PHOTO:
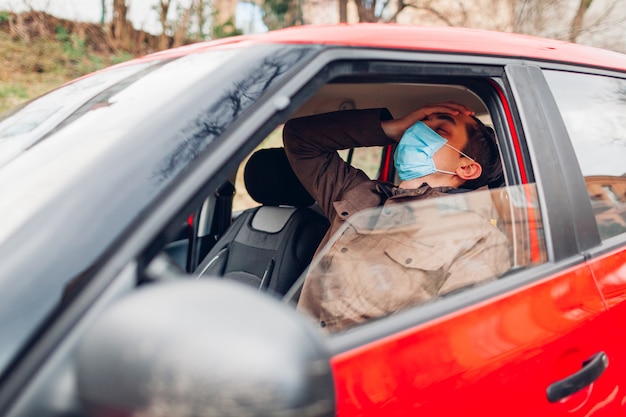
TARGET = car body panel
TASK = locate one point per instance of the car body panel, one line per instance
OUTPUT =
(609, 271)
(448, 39)
(508, 351)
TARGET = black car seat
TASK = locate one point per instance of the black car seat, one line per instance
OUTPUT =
(269, 246)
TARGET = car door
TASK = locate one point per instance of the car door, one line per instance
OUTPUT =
(593, 114)
(537, 340)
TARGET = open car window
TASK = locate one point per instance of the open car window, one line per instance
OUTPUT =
(452, 243)
(369, 160)
(388, 259)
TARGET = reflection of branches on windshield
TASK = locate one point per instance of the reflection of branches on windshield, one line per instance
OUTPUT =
(212, 121)
(608, 101)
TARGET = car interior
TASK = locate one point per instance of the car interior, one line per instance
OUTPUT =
(262, 228)
(268, 246)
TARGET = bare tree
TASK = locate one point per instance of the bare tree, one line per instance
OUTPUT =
(163, 9)
(438, 11)
(367, 10)
(223, 13)
(343, 11)
(387, 11)
(603, 22)
(201, 11)
(540, 17)
(121, 28)
(182, 26)
(103, 12)
(568, 19)
(577, 24)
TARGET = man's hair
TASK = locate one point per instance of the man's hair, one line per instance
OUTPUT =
(483, 148)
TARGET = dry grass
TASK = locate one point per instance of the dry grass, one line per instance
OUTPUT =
(32, 68)
(27, 71)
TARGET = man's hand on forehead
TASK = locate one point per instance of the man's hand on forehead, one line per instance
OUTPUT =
(448, 107)
(441, 116)
(395, 128)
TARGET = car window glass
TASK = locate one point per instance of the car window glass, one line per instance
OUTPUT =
(595, 116)
(163, 122)
(366, 159)
(22, 127)
(509, 217)
(387, 259)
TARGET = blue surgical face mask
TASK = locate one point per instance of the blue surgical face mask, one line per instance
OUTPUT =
(413, 157)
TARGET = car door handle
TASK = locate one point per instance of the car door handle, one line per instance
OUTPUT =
(591, 370)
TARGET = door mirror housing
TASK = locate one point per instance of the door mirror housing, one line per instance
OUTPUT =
(203, 348)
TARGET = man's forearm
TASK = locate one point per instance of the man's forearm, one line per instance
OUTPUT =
(312, 142)
(334, 131)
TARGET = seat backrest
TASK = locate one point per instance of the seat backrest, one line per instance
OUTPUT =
(269, 246)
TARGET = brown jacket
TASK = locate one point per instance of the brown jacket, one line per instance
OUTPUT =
(387, 259)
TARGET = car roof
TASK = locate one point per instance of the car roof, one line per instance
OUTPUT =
(433, 39)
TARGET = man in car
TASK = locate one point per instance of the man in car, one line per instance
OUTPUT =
(363, 274)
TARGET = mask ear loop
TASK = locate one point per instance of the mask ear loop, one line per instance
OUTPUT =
(445, 172)
(462, 153)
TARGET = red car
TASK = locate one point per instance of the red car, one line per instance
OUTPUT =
(155, 241)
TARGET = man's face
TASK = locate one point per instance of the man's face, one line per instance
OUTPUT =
(454, 129)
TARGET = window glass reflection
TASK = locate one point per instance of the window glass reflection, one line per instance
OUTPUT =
(24, 126)
(114, 152)
(595, 116)
(608, 200)
(388, 259)
(229, 102)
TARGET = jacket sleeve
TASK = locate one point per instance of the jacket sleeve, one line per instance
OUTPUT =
(312, 142)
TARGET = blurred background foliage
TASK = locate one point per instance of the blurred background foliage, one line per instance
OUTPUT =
(40, 51)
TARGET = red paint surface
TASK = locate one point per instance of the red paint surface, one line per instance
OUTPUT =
(496, 358)
(416, 38)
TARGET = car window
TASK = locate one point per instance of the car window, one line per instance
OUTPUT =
(387, 259)
(366, 159)
(22, 127)
(595, 116)
(504, 223)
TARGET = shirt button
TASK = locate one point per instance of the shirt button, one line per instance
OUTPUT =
(344, 250)
(344, 213)
(408, 260)
(387, 211)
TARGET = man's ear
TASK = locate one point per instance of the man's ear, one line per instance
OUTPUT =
(471, 171)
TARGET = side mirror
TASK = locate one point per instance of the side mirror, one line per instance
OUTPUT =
(203, 348)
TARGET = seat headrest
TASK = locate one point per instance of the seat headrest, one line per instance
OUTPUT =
(270, 180)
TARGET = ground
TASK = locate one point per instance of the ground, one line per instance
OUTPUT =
(40, 52)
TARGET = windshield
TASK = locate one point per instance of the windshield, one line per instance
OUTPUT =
(20, 129)
(88, 160)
